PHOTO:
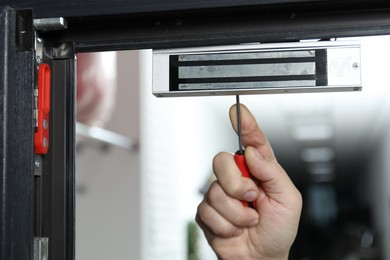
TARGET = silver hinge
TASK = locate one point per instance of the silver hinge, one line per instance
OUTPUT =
(50, 24)
(38, 59)
(37, 165)
(41, 248)
(43, 24)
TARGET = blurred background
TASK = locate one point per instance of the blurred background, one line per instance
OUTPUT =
(143, 162)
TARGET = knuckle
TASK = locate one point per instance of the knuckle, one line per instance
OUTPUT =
(298, 201)
(224, 230)
(274, 165)
(206, 220)
(218, 159)
(240, 218)
(234, 188)
(198, 213)
(214, 194)
(203, 213)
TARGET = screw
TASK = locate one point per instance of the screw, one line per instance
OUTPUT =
(45, 124)
(38, 59)
(44, 142)
(37, 163)
(355, 65)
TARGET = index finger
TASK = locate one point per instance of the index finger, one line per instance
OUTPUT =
(231, 180)
(252, 135)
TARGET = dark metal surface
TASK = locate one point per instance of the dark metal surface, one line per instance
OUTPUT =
(24, 25)
(58, 178)
(118, 25)
(82, 8)
(16, 143)
(225, 26)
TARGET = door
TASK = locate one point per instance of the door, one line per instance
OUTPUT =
(36, 188)
(16, 131)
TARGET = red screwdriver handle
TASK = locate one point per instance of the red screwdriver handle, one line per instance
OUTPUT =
(239, 158)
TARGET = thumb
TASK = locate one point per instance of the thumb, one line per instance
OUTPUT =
(252, 135)
(272, 179)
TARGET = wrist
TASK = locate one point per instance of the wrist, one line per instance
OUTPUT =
(266, 258)
(280, 256)
(252, 258)
(272, 258)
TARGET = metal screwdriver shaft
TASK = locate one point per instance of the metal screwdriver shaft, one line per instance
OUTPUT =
(239, 157)
(239, 131)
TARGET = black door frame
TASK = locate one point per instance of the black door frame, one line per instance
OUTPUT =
(16, 143)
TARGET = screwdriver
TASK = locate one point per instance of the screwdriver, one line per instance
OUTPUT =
(239, 156)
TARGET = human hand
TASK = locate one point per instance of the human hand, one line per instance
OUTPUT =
(96, 88)
(238, 232)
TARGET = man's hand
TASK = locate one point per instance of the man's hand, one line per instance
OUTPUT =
(238, 232)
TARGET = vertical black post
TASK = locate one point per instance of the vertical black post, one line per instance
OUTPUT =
(58, 177)
(16, 136)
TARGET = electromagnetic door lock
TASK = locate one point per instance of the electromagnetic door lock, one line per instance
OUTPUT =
(322, 66)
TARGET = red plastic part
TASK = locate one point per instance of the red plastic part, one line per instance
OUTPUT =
(240, 161)
(41, 137)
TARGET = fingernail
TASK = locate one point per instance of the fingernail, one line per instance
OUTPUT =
(237, 232)
(250, 195)
(254, 222)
